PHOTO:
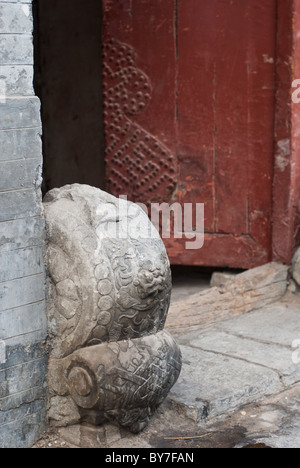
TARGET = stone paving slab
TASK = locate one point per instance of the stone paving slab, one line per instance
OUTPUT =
(278, 323)
(212, 384)
(272, 356)
(238, 361)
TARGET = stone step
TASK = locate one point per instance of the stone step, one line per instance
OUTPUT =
(247, 291)
(238, 361)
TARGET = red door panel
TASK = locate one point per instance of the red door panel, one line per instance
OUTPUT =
(189, 117)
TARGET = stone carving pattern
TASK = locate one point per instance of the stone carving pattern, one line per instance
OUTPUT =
(110, 299)
(131, 386)
(130, 306)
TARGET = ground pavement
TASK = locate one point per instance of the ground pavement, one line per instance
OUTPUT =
(239, 387)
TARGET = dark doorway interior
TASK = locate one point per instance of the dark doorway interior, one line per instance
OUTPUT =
(68, 69)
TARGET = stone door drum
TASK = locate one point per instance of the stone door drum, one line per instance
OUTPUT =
(188, 88)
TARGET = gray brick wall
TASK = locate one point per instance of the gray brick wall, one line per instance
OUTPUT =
(22, 276)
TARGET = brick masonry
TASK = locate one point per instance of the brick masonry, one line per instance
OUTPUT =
(23, 326)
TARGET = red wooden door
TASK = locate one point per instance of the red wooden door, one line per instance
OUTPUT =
(188, 90)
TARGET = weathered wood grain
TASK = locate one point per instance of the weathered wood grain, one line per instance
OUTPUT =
(247, 291)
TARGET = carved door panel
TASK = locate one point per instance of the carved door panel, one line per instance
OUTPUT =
(188, 89)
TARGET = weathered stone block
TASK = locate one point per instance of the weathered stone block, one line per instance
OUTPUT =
(240, 384)
(17, 113)
(20, 144)
(63, 411)
(18, 264)
(18, 399)
(22, 320)
(16, 80)
(20, 174)
(18, 414)
(2, 352)
(19, 378)
(247, 291)
(219, 279)
(22, 280)
(110, 280)
(21, 233)
(22, 433)
(15, 19)
(16, 49)
(23, 291)
(21, 353)
(18, 204)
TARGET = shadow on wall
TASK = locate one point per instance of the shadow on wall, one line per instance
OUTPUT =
(68, 68)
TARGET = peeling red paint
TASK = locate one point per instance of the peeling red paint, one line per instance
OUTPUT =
(212, 66)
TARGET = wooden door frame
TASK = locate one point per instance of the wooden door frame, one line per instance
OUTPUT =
(286, 180)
